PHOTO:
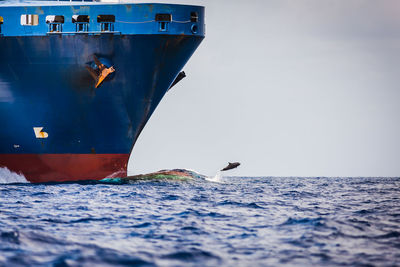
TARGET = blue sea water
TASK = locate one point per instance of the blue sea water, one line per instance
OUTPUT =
(238, 221)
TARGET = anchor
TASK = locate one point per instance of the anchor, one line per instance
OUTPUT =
(101, 73)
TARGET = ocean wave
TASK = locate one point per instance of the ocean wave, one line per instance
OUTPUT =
(246, 222)
(191, 255)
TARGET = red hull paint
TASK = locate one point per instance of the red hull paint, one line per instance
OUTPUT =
(39, 168)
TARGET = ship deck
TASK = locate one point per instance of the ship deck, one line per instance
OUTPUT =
(37, 18)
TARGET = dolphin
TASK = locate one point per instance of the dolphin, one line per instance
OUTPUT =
(231, 166)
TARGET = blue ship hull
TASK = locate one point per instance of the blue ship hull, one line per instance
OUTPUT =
(88, 132)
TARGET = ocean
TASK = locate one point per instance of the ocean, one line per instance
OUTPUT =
(231, 221)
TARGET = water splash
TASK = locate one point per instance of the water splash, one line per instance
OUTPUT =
(117, 174)
(9, 177)
(217, 178)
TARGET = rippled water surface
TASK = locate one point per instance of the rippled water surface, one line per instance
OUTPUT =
(241, 221)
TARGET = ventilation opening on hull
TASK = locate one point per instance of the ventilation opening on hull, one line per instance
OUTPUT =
(29, 20)
(194, 17)
(55, 23)
(106, 22)
(81, 23)
(194, 29)
(163, 21)
(164, 17)
(163, 26)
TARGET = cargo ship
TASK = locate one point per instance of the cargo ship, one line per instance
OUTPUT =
(80, 80)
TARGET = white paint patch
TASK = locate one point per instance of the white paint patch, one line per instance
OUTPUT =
(9, 177)
(39, 132)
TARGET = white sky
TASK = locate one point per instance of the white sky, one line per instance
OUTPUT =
(288, 88)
